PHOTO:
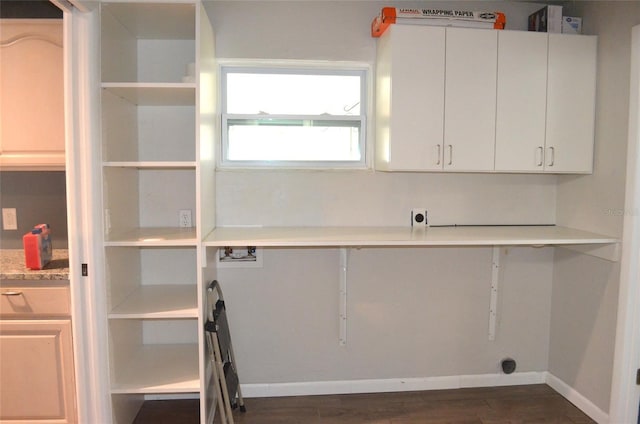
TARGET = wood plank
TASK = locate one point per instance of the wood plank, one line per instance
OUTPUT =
(518, 404)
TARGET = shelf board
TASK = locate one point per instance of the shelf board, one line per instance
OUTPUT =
(155, 20)
(403, 236)
(153, 236)
(160, 369)
(151, 164)
(159, 302)
(154, 94)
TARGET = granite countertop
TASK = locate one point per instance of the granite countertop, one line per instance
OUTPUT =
(12, 266)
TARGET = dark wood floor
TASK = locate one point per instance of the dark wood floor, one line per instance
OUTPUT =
(503, 405)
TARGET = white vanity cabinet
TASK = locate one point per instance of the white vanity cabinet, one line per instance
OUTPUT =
(475, 100)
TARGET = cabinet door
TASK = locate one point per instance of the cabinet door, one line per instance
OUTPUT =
(571, 103)
(410, 96)
(521, 101)
(32, 99)
(37, 382)
(470, 99)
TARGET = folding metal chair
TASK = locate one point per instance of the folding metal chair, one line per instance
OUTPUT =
(219, 344)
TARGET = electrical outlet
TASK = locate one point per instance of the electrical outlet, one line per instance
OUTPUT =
(419, 217)
(185, 218)
(9, 219)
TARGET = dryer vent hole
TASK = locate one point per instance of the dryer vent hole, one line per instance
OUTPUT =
(508, 365)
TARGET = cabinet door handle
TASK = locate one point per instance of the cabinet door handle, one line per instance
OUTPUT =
(450, 154)
(540, 151)
(12, 293)
(553, 156)
(439, 154)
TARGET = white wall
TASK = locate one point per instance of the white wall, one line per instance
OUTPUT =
(27, 192)
(321, 29)
(340, 30)
(428, 308)
(411, 313)
(317, 198)
(585, 289)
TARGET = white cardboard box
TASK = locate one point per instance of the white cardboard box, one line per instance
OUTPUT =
(571, 25)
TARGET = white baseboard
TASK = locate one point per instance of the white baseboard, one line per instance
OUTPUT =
(581, 402)
(391, 384)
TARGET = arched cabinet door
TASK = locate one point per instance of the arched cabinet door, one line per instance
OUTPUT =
(31, 94)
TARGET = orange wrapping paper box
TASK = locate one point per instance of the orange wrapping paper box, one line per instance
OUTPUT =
(37, 247)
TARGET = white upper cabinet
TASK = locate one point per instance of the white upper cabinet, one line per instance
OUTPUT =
(410, 98)
(419, 128)
(521, 101)
(571, 93)
(474, 100)
(470, 98)
(31, 95)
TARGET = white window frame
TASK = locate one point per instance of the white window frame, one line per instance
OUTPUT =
(299, 68)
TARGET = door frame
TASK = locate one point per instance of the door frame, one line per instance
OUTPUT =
(81, 111)
(625, 393)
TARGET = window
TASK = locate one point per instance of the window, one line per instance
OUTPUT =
(293, 117)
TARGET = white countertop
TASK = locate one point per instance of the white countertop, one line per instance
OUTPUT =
(403, 236)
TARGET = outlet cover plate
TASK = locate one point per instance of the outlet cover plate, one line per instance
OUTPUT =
(184, 217)
(9, 219)
(419, 218)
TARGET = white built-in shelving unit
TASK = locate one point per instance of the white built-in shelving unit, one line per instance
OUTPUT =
(152, 59)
